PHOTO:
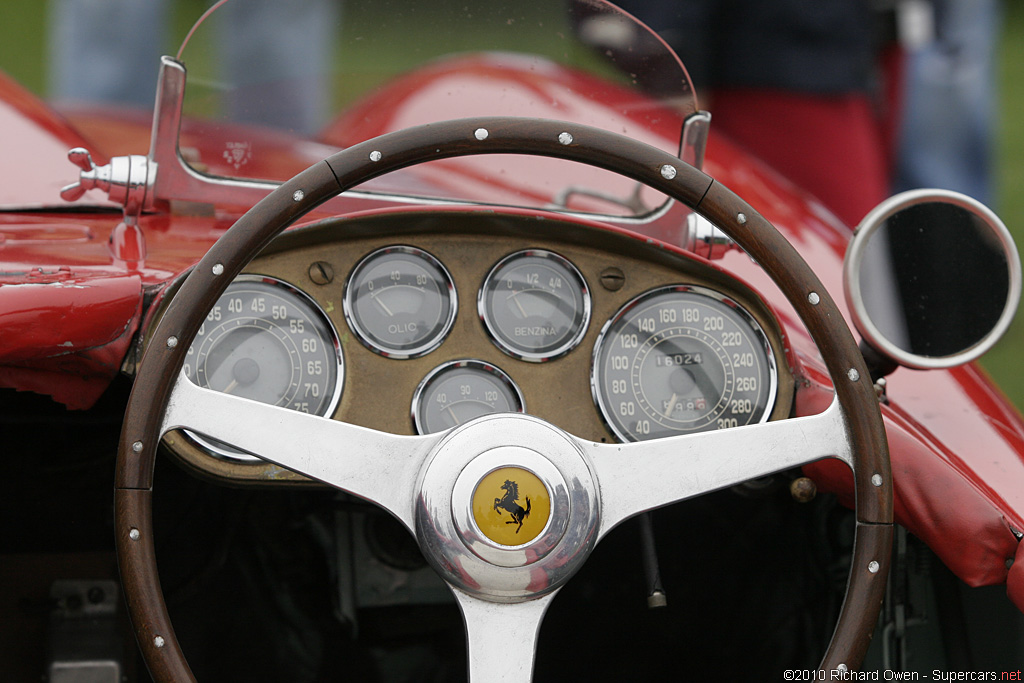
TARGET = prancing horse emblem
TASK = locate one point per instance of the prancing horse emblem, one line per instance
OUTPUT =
(509, 504)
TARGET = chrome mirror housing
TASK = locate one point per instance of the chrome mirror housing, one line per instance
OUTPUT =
(932, 279)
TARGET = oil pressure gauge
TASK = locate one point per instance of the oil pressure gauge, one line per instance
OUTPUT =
(400, 302)
(535, 305)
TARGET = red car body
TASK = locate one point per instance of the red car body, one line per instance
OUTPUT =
(76, 288)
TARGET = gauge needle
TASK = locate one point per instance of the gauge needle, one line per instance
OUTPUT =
(515, 298)
(671, 405)
(230, 387)
(452, 413)
(381, 304)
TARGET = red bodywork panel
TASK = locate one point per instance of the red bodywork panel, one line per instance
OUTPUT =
(957, 446)
(35, 143)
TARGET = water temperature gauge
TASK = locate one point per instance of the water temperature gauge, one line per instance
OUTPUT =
(455, 393)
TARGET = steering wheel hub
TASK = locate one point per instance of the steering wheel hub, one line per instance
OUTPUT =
(488, 511)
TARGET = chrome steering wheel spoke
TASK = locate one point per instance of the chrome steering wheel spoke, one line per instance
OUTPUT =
(501, 637)
(377, 466)
(641, 476)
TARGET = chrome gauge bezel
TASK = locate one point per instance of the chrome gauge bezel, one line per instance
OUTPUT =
(361, 331)
(577, 284)
(471, 363)
(217, 449)
(759, 336)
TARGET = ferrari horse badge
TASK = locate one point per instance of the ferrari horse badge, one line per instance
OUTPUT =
(509, 504)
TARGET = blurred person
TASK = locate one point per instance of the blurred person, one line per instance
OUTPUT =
(797, 82)
(109, 51)
(947, 130)
(106, 50)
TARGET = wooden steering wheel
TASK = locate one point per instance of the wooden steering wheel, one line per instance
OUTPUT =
(428, 482)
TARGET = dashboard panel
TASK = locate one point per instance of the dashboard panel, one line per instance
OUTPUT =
(440, 316)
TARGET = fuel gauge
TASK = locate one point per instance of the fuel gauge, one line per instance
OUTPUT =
(535, 305)
(456, 392)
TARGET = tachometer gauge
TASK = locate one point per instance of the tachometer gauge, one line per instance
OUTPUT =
(535, 304)
(682, 359)
(454, 393)
(267, 341)
(400, 301)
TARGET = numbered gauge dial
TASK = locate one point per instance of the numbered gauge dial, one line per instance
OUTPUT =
(400, 301)
(459, 391)
(678, 360)
(266, 341)
(535, 305)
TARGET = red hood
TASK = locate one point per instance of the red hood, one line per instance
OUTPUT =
(36, 141)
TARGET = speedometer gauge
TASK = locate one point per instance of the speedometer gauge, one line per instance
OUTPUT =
(400, 301)
(682, 359)
(266, 341)
(535, 305)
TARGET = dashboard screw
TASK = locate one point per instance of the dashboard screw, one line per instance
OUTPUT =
(612, 279)
(321, 273)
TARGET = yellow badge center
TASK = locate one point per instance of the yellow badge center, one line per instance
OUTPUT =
(511, 506)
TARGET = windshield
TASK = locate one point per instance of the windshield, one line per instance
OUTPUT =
(275, 86)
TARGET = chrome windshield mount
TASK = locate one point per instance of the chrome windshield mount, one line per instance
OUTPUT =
(127, 180)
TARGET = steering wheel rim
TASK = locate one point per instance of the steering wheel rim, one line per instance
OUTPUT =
(165, 355)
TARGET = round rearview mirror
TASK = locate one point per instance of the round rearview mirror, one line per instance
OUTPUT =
(932, 279)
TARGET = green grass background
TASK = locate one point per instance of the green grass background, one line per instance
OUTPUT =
(23, 56)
